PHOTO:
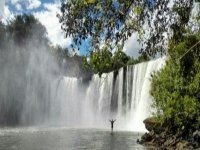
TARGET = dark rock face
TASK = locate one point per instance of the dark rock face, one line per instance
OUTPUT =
(146, 137)
(162, 137)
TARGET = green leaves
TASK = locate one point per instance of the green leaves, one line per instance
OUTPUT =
(25, 27)
(175, 88)
(114, 21)
(138, 10)
(103, 61)
(87, 2)
(100, 61)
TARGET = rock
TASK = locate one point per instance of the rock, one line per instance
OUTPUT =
(196, 135)
(170, 142)
(152, 124)
(138, 141)
(182, 145)
(146, 137)
(164, 138)
(196, 138)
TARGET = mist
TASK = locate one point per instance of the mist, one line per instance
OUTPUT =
(40, 84)
(41, 87)
(26, 72)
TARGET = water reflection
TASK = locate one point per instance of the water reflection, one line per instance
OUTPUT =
(67, 139)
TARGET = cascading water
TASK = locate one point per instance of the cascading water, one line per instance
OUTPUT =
(122, 95)
(38, 97)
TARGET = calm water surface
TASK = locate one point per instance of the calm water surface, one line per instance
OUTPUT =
(67, 139)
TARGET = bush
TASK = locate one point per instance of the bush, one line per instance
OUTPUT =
(175, 88)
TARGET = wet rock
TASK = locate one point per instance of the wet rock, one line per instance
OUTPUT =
(152, 124)
(138, 141)
(146, 137)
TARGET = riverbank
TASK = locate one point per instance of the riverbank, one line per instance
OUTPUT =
(160, 136)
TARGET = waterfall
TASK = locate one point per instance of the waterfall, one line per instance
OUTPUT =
(122, 95)
(45, 99)
(128, 91)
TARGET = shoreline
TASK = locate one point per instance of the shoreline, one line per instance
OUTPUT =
(160, 137)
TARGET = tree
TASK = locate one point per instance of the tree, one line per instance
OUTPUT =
(103, 61)
(100, 61)
(109, 21)
(175, 88)
(120, 59)
(25, 28)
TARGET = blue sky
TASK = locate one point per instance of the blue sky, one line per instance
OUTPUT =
(27, 6)
(45, 11)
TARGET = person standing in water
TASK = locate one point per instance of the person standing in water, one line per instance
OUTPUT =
(112, 123)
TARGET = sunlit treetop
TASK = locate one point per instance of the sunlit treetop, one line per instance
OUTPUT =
(25, 27)
(89, 1)
(113, 21)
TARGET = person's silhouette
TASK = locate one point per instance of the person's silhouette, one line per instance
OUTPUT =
(112, 123)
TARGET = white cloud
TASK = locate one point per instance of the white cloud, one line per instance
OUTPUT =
(30, 4)
(8, 15)
(18, 7)
(15, 1)
(33, 4)
(48, 18)
(132, 46)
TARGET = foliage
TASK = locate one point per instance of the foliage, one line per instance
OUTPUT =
(120, 59)
(25, 28)
(176, 87)
(99, 61)
(103, 61)
(113, 21)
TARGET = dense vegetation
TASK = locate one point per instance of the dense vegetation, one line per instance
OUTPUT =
(113, 21)
(104, 61)
(176, 88)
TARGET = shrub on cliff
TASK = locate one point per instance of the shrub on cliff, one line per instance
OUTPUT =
(175, 88)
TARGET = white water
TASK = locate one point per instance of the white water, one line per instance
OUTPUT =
(90, 106)
(45, 99)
